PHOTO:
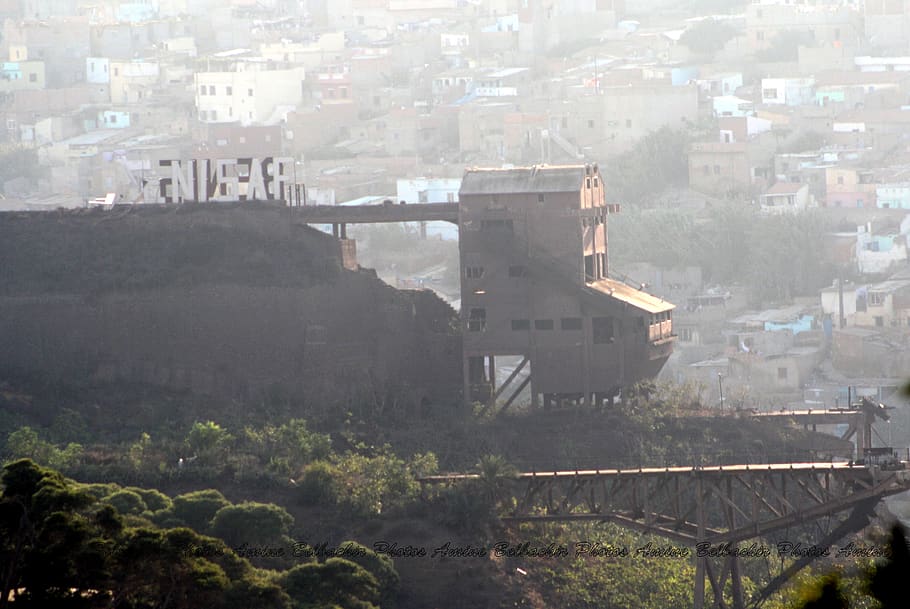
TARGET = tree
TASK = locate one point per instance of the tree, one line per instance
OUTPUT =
(707, 37)
(253, 523)
(198, 508)
(320, 484)
(495, 475)
(60, 547)
(888, 582)
(209, 441)
(381, 567)
(127, 502)
(25, 443)
(784, 47)
(335, 582)
(657, 161)
(47, 551)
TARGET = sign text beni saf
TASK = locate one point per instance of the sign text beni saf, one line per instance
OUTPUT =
(247, 179)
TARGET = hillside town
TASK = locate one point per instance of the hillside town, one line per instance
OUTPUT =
(790, 107)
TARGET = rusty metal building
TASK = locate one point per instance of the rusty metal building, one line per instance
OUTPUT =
(535, 284)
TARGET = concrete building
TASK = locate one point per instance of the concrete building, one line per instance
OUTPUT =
(883, 304)
(849, 187)
(132, 81)
(787, 91)
(535, 284)
(887, 24)
(62, 43)
(785, 198)
(248, 92)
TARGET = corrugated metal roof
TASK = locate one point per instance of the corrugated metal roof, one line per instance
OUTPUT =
(521, 180)
(629, 295)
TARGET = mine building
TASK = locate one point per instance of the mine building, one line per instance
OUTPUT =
(535, 284)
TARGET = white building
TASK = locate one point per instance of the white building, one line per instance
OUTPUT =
(132, 80)
(249, 94)
(787, 91)
(785, 198)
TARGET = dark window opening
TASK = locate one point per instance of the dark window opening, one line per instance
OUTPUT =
(477, 320)
(473, 272)
(543, 324)
(570, 323)
(497, 225)
(602, 329)
(521, 324)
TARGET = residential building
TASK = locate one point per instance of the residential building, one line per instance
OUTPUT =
(131, 82)
(62, 43)
(785, 198)
(883, 304)
(248, 92)
(849, 187)
(787, 91)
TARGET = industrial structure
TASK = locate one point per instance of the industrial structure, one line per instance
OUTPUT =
(535, 284)
(713, 511)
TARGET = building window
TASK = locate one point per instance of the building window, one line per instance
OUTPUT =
(211, 89)
(759, 35)
(32, 77)
(496, 225)
(628, 123)
(570, 323)
(229, 90)
(879, 321)
(706, 170)
(477, 320)
(717, 170)
(541, 198)
(876, 299)
(782, 373)
(202, 89)
(521, 324)
(543, 324)
(473, 272)
(249, 92)
(214, 115)
(595, 182)
(840, 179)
(590, 124)
(685, 334)
(518, 270)
(602, 329)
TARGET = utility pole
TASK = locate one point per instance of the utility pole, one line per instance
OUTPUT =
(720, 383)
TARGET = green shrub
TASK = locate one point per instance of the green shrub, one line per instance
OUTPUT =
(127, 502)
